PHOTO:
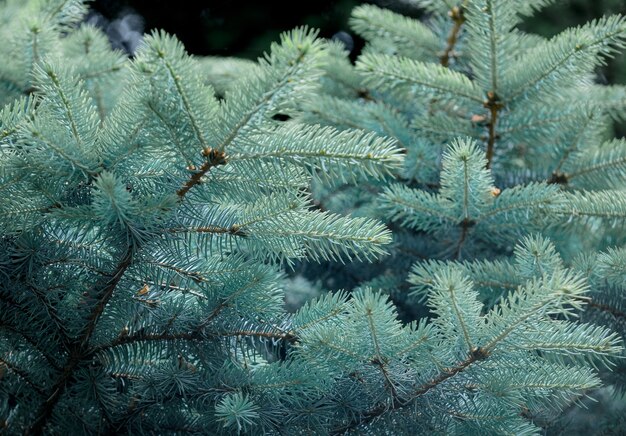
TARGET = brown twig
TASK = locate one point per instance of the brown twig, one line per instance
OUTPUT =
(494, 105)
(213, 159)
(457, 16)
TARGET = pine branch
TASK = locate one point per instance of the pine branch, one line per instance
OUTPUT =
(196, 335)
(416, 209)
(592, 204)
(326, 152)
(372, 414)
(173, 131)
(185, 100)
(234, 230)
(33, 343)
(604, 166)
(522, 199)
(13, 115)
(379, 359)
(411, 37)
(79, 351)
(51, 312)
(572, 54)
(291, 62)
(399, 75)
(574, 146)
(54, 79)
(146, 230)
(74, 161)
(23, 375)
(493, 55)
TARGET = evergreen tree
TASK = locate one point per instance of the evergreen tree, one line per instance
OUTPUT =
(506, 136)
(146, 224)
(142, 233)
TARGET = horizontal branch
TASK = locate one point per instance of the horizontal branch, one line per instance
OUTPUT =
(381, 408)
(234, 230)
(194, 335)
(32, 342)
(23, 375)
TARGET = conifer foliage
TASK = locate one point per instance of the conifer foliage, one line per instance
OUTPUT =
(142, 236)
(146, 224)
(507, 137)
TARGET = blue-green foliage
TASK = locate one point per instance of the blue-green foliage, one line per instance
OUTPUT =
(506, 136)
(146, 223)
(472, 360)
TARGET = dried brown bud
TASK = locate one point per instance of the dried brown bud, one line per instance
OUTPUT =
(144, 290)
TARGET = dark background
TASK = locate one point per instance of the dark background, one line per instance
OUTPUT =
(231, 28)
(246, 28)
